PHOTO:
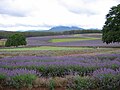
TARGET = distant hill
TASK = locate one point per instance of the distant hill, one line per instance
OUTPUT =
(2, 30)
(28, 30)
(64, 28)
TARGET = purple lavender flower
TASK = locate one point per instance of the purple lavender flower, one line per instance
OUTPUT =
(100, 73)
(15, 72)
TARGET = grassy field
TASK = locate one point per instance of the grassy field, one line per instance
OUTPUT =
(71, 39)
(2, 42)
(73, 68)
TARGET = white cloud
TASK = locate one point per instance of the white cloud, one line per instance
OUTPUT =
(43, 14)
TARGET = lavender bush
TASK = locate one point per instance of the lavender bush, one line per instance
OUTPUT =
(107, 78)
(17, 77)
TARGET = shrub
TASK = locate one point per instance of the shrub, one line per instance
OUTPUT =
(106, 78)
(82, 83)
(52, 84)
(21, 81)
(2, 76)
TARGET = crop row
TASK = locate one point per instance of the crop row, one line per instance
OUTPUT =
(98, 71)
(60, 66)
(105, 79)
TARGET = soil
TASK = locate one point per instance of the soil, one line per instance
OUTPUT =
(40, 88)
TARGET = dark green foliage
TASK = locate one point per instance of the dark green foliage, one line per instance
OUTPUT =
(53, 71)
(111, 29)
(81, 31)
(52, 84)
(16, 40)
(108, 82)
(21, 81)
(105, 82)
(82, 83)
(60, 71)
(2, 76)
(6, 34)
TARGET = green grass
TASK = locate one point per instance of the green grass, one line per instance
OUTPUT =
(2, 43)
(44, 48)
(71, 39)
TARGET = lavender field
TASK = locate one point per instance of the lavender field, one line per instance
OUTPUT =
(96, 66)
(93, 40)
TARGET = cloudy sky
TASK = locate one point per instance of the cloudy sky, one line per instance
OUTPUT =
(44, 14)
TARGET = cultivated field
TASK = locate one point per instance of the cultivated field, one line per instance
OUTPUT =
(90, 40)
(67, 62)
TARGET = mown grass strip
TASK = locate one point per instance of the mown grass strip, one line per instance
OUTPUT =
(44, 48)
(71, 39)
(2, 43)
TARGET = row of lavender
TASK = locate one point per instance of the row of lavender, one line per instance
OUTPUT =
(103, 69)
(91, 43)
(62, 65)
(102, 79)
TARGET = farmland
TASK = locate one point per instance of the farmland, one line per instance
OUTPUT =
(73, 62)
(87, 40)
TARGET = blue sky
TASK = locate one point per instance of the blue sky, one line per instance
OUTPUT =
(44, 14)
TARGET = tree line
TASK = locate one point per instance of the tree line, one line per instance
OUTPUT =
(6, 34)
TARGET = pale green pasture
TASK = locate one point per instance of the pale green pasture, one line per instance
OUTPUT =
(71, 39)
(44, 48)
(2, 42)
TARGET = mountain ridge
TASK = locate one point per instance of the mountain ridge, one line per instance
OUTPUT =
(65, 28)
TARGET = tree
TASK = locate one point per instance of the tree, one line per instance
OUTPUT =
(111, 29)
(16, 40)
